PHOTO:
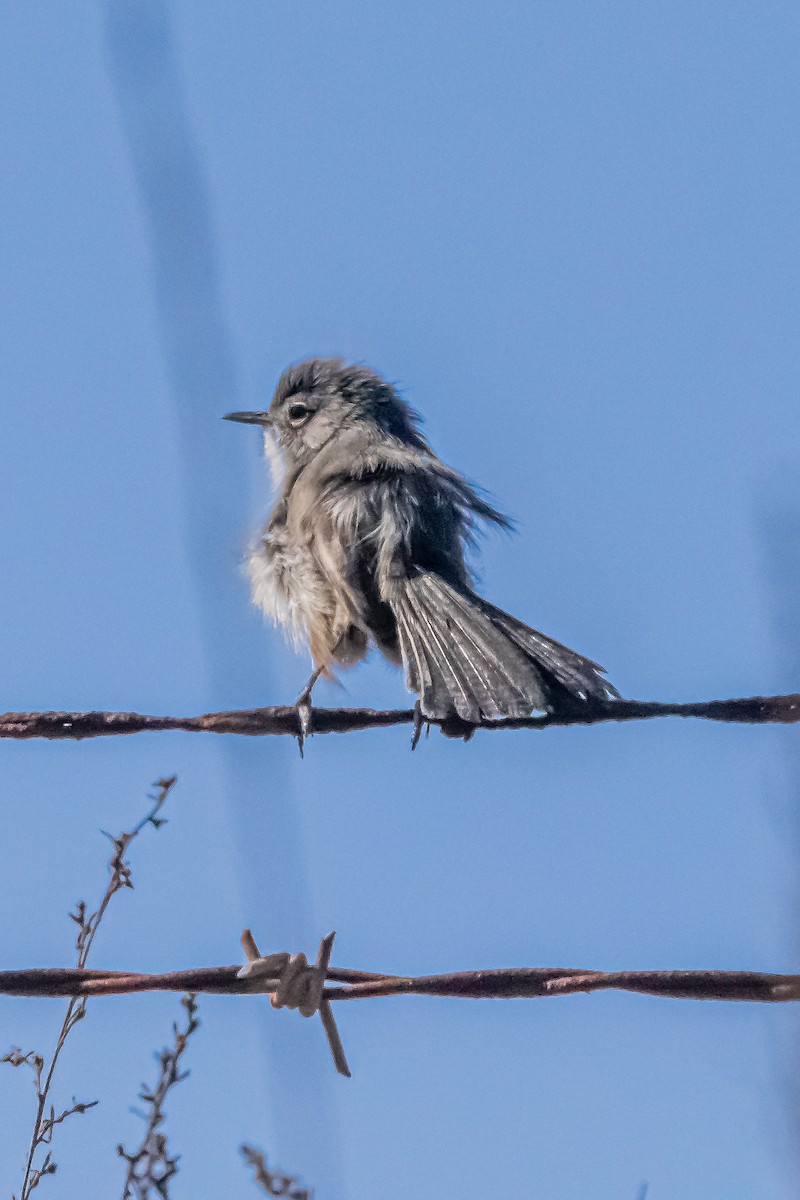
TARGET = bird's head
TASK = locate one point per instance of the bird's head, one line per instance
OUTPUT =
(317, 400)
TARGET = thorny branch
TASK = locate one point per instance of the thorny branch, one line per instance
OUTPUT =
(151, 1167)
(286, 719)
(274, 1183)
(88, 924)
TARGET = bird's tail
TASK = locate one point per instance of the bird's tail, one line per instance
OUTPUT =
(466, 658)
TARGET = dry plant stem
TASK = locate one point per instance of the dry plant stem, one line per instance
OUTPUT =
(285, 719)
(88, 925)
(274, 1183)
(151, 1166)
(501, 983)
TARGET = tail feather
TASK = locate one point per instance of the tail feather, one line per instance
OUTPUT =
(465, 657)
(481, 678)
(427, 671)
(509, 679)
(439, 670)
(581, 677)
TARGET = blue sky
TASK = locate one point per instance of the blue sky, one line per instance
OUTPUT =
(569, 232)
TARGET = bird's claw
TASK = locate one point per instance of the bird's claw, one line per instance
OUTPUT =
(418, 726)
(302, 707)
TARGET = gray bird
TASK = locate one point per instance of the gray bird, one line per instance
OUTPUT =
(365, 546)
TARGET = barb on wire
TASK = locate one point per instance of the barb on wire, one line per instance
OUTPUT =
(294, 984)
(285, 719)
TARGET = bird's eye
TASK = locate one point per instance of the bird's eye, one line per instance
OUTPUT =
(298, 412)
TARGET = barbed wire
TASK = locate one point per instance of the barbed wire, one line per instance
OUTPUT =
(292, 982)
(286, 719)
(492, 983)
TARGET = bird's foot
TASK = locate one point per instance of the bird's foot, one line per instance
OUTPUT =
(456, 727)
(452, 726)
(303, 708)
(419, 725)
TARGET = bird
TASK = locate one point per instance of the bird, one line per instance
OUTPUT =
(366, 547)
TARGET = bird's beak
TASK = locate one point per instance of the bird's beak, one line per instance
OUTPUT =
(249, 418)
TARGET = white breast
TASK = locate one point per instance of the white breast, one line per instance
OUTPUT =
(287, 586)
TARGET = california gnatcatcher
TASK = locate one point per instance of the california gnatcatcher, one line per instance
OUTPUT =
(365, 546)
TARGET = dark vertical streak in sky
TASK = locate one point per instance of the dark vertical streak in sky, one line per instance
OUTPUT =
(169, 174)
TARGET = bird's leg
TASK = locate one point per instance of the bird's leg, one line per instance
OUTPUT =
(303, 709)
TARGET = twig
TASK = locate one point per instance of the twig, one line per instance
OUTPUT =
(151, 1167)
(88, 924)
(284, 719)
(274, 1183)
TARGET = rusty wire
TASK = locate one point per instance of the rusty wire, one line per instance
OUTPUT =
(285, 719)
(496, 983)
(291, 982)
